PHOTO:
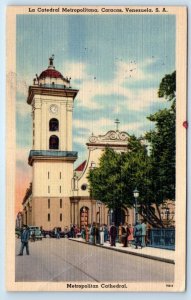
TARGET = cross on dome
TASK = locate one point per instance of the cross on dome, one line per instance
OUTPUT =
(117, 122)
(51, 59)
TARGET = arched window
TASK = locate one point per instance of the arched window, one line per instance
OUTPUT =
(53, 125)
(54, 142)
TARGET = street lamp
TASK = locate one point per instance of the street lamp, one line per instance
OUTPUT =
(136, 195)
(99, 206)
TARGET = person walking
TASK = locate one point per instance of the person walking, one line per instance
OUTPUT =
(124, 236)
(144, 232)
(120, 233)
(25, 236)
(130, 237)
(101, 232)
(138, 235)
(126, 233)
(58, 233)
(105, 229)
(72, 231)
(87, 233)
(97, 234)
(83, 233)
(113, 234)
(93, 234)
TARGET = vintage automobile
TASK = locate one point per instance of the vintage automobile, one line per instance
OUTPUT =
(56, 232)
(35, 233)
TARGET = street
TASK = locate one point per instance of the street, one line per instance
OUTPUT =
(57, 260)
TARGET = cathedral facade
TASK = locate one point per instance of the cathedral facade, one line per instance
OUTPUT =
(59, 196)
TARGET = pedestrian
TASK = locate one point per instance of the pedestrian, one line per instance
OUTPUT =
(58, 233)
(113, 234)
(105, 229)
(144, 233)
(83, 233)
(101, 232)
(97, 234)
(72, 231)
(125, 234)
(138, 235)
(130, 237)
(25, 236)
(120, 233)
(87, 232)
(93, 234)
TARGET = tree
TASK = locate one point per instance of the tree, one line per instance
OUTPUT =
(152, 173)
(118, 175)
(105, 181)
(163, 143)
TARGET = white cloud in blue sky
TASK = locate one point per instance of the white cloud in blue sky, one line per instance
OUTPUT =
(116, 62)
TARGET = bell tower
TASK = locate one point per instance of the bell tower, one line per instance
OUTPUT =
(51, 157)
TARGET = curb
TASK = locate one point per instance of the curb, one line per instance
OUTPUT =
(166, 260)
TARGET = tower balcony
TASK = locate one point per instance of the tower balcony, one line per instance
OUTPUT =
(52, 155)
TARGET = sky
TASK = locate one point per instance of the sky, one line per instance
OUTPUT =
(117, 63)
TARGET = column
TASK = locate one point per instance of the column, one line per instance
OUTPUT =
(69, 110)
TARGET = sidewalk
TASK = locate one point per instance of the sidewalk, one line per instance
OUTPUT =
(164, 255)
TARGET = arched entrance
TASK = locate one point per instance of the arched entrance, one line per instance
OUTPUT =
(84, 216)
(118, 216)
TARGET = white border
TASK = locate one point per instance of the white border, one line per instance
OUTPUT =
(5, 295)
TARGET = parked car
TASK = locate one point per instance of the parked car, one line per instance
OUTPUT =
(53, 233)
(35, 233)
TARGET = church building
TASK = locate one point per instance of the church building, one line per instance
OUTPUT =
(59, 196)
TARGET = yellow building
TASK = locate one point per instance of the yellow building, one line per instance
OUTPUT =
(59, 196)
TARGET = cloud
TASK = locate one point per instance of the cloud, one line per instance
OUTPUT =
(91, 90)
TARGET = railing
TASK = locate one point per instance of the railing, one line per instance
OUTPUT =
(161, 238)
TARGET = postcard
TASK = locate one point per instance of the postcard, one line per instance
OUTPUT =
(96, 148)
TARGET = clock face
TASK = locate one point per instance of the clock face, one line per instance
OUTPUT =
(54, 109)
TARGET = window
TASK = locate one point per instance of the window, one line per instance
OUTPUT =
(48, 189)
(60, 203)
(48, 175)
(48, 203)
(54, 142)
(60, 175)
(48, 217)
(84, 187)
(53, 125)
(60, 217)
(60, 189)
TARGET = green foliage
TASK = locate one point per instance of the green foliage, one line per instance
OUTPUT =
(163, 144)
(167, 88)
(152, 172)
